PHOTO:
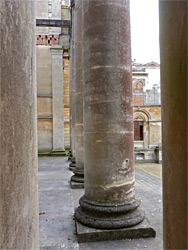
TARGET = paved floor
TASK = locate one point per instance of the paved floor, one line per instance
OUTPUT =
(153, 169)
(57, 201)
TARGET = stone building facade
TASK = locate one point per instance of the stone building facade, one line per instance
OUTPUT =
(53, 78)
(147, 113)
(51, 41)
(147, 133)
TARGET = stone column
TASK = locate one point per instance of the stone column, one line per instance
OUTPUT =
(78, 176)
(70, 155)
(109, 200)
(57, 99)
(72, 93)
(18, 123)
(173, 49)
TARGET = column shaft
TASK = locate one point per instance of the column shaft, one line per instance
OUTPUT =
(58, 105)
(173, 49)
(18, 123)
(109, 200)
(70, 96)
(72, 91)
(79, 147)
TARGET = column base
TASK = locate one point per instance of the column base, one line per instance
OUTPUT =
(77, 180)
(78, 176)
(72, 166)
(70, 155)
(88, 234)
(71, 158)
(109, 216)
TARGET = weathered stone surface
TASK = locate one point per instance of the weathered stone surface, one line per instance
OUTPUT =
(18, 148)
(79, 145)
(109, 200)
(88, 234)
(173, 49)
(78, 175)
(72, 89)
(57, 224)
(54, 186)
(45, 133)
(45, 101)
(58, 105)
(44, 70)
(50, 11)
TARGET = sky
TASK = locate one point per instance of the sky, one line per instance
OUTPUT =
(145, 30)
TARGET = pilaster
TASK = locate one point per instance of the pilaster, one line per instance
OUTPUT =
(57, 98)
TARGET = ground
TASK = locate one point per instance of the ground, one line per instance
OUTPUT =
(57, 202)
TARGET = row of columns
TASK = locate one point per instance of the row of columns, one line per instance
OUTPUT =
(103, 126)
(72, 95)
(109, 183)
(78, 81)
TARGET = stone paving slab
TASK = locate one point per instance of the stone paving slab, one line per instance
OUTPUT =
(56, 225)
(151, 168)
(149, 189)
(58, 201)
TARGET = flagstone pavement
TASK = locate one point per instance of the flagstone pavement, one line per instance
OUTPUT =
(57, 202)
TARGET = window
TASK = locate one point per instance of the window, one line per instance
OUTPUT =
(138, 131)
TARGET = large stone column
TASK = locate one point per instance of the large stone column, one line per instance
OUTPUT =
(18, 123)
(78, 176)
(109, 200)
(57, 97)
(173, 49)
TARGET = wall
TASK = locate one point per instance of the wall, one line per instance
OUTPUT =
(44, 98)
(48, 9)
(147, 149)
(46, 38)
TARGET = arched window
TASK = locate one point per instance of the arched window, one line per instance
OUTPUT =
(141, 118)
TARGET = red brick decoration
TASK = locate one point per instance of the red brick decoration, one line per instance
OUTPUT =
(47, 39)
(138, 93)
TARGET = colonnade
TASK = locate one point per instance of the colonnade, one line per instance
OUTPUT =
(78, 176)
(109, 200)
(104, 114)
